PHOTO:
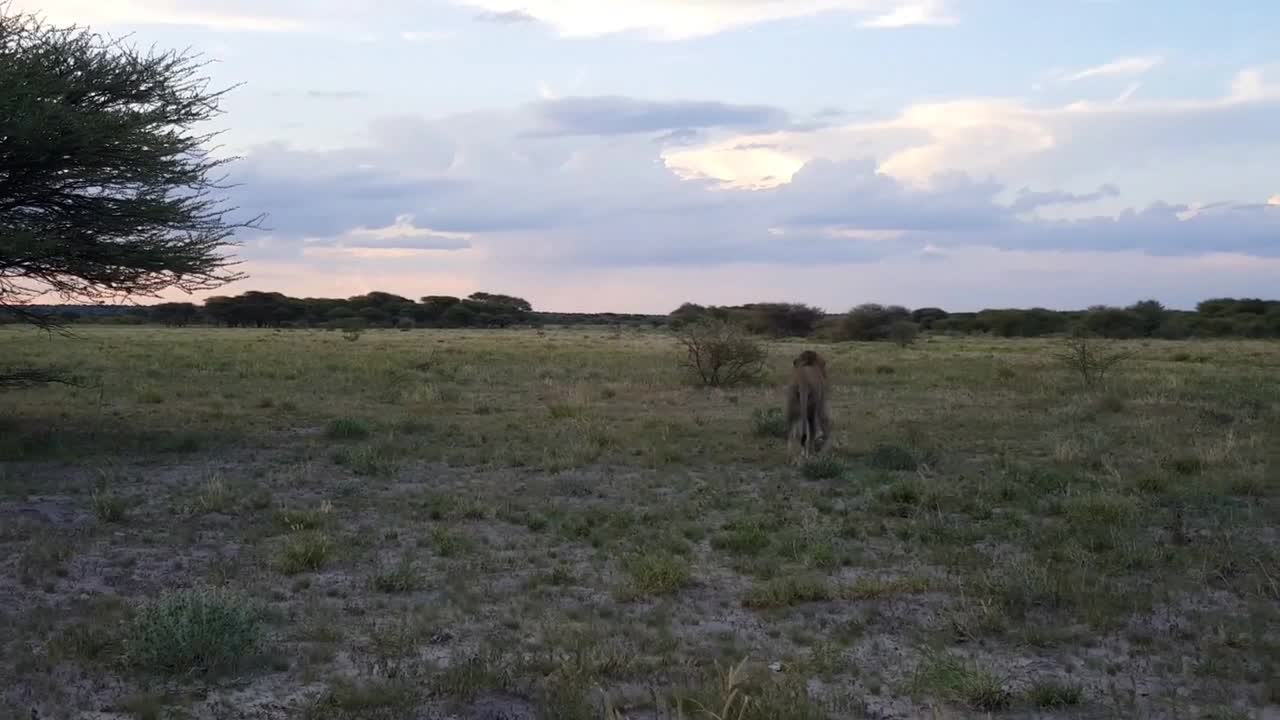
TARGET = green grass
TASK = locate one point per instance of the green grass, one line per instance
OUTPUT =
(305, 551)
(1054, 694)
(400, 578)
(528, 522)
(957, 681)
(656, 573)
(109, 507)
(193, 631)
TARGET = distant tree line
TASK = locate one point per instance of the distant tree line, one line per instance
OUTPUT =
(1214, 318)
(1217, 317)
(275, 310)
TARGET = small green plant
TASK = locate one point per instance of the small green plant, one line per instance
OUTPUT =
(193, 631)
(892, 458)
(787, 591)
(304, 551)
(109, 507)
(955, 680)
(745, 536)
(214, 496)
(448, 544)
(769, 423)
(823, 467)
(401, 578)
(1051, 694)
(347, 429)
(348, 700)
(366, 460)
(656, 573)
(306, 519)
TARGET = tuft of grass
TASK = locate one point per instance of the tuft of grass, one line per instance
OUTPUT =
(955, 680)
(347, 429)
(193, 631)
(742, 536)
(482, 671)
(369, 700)
(872, 588)
(787, 591)
(403, 577)
(305, 519)
(366, 460)
(656, 573)
(449, 544)
(109, 507)
(892, 458)
(1051, 695)
(769, 423)
(305, 551)
(214, 496)
(823, 467)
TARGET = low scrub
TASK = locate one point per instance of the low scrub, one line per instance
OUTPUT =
(193, 631)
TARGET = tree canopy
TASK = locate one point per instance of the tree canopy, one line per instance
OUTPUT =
(106, 190)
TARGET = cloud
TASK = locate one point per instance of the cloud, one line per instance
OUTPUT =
(682, 19)
(615, 115)
(1123, 67)
(508, 17)
(519, 197)
(1007, 138)
(920, 13)
(401, 239)
(1029, 200)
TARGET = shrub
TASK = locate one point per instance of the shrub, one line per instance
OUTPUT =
(200, 631)
(405, 324)
(347, 429)
(825, 467)
(904, 333)
(1090, 358)
(719, 353)
(657, 574)
(871, 321)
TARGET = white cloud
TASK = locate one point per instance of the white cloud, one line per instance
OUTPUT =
(921, 13)
(1123, 67)
(682, 19)
(401, 239)
(1010, 139)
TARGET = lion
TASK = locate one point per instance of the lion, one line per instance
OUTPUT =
(808, 418)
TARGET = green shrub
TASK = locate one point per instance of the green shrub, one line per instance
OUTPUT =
(193, 631)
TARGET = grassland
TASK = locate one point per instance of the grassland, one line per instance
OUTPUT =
(516, 524)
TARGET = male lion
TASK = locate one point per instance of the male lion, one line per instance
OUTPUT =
(808, 422)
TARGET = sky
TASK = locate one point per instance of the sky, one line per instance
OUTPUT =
(598, 155)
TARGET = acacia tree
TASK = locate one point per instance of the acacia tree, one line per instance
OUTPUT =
(107, 192)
